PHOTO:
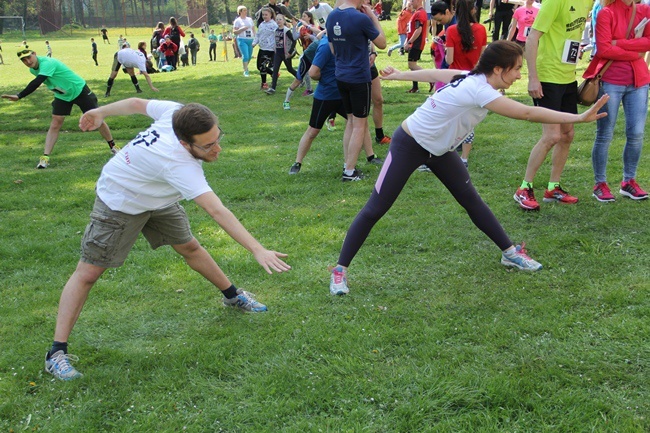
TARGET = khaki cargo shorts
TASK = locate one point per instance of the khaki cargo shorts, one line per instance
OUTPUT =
(110, 235)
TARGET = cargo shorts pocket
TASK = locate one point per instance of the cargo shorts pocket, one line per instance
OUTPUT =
(102, 238)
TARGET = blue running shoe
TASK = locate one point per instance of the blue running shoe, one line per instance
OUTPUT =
(339, 281)
(517, 258)
(245, 301)
(58, 365)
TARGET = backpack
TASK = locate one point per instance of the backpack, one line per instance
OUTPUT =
(155, 42)
(192, 44)
(174, 33)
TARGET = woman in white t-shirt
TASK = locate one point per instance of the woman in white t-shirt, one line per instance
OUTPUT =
(430, 136)
(244, 28)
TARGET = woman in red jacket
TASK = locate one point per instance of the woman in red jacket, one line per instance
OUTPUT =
(625, 81)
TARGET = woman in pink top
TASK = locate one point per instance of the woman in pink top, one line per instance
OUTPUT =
(524, 16)
(466, 40)
(625, 81)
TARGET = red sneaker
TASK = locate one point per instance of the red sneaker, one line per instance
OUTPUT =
(264, 86)
(632, 190)
(526, 199)
(385, 140)
(559, 195)
(602, 192)
(413, 90)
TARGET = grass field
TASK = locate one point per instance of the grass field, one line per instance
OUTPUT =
(435, 336)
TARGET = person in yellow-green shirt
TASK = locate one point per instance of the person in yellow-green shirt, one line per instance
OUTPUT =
(69, 90)
(552, 49)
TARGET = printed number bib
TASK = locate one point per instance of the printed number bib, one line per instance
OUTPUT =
(527, 31)
(570, 52)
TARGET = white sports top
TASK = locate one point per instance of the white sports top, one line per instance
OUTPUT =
(130, 58)
(449, 115)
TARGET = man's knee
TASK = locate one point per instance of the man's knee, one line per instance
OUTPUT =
(189, 248)
(57, 122)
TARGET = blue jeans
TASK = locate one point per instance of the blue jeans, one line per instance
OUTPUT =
(402, 39)
(635, 107)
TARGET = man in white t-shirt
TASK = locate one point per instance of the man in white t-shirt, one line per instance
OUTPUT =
(129, 59)
(320, 10)
(138, 192)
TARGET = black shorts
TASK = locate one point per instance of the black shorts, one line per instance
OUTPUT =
(320, 111)
(85, 101)
(116, 65)
(303, 68)
(104, 36)
(374, 73)
(414, 55)
(356, 98)
(559, 97)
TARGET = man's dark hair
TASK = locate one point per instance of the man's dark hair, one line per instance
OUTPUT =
(192, 119)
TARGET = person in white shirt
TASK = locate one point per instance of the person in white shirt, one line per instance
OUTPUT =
(320, 10)
(432, 133)
(138, 191)
(129, 59)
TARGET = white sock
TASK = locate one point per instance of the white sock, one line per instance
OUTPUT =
(289, 93)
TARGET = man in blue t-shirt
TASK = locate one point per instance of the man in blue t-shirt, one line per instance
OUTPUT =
(349, 28)
(327, 100)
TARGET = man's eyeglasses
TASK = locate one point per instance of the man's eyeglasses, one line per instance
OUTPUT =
(208, 147)
(23, 52)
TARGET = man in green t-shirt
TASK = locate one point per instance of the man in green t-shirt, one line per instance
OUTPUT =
(552, 48)
(69, 90)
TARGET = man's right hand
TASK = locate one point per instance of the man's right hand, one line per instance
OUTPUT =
(535, 88)
(13, 98)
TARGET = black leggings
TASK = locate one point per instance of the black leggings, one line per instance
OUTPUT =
(278, 59)
(404, 157)
(501, 23)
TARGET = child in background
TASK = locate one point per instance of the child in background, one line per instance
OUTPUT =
(265, 38)
(93, 46)
(524, 17)
(284, 43)
(48, 48)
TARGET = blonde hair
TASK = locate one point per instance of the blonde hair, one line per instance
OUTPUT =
(269, 10)
(241, 8)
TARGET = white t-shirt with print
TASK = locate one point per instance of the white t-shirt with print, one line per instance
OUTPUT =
(246, 22)
(130, 58)
(154, 170)
(320, 13)
(449, 115)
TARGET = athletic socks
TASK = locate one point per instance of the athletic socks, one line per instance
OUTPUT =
(553, 185)
(289, 94)
(526, 185)
(379, 133)
(56, 346)
(230, 292)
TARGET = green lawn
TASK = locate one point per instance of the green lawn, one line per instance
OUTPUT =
(435, 335)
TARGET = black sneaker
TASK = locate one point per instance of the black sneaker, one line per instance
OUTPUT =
(295, 168)
(354, 177)
(138, 90)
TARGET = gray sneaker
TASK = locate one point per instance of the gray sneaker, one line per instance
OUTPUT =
(518, 258)
(339, 281)
(245, 301)
(58, 365)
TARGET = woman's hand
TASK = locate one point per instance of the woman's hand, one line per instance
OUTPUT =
(592, 113)
(389, 73)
